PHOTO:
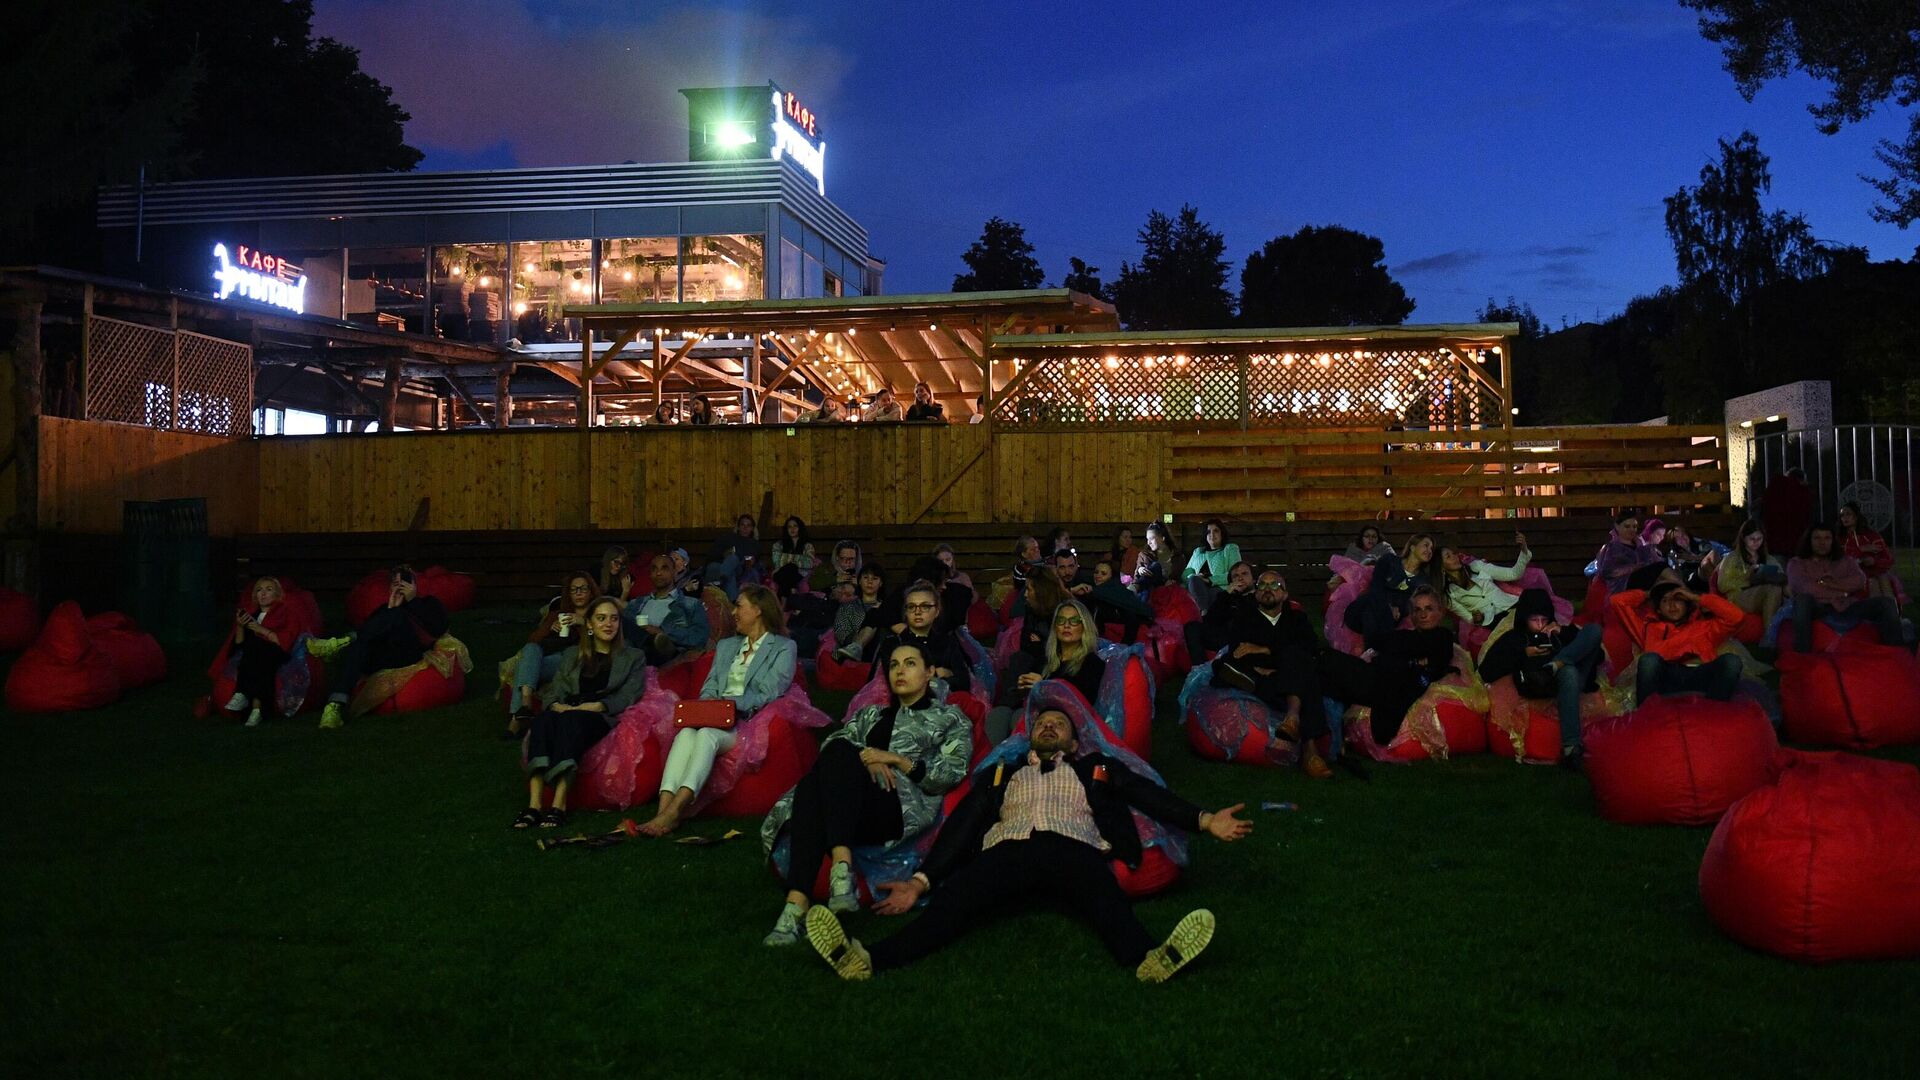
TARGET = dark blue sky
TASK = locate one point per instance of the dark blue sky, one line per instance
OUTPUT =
(1497, 148)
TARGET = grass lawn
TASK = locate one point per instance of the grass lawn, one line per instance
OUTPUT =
(188, 898)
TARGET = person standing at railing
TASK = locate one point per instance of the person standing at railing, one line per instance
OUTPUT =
(924, 407)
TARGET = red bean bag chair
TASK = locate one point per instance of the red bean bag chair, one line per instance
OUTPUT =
(1175, 603)
(367, 596)
(63, 670)
(1137, 697)
(1156, 874)
(19, 620)
(1595, 604)
(1823, 864)
(1231, 726)
(137, 657)
(791, 751)
(624, 768)
(427, 689)
(1752, 629)
(835, 674)
(1678, 760)
(1464, 727)
(1827, 639)
(1860, 695)
(687, 673)
(982, 623)
(454, 591)
(1617, 644)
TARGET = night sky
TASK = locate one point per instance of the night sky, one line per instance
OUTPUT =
(1496, 148)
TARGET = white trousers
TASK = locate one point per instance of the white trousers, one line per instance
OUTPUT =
(691, 757)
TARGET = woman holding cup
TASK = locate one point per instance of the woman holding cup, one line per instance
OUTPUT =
(560, 627)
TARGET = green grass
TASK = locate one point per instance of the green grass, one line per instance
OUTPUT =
(187, 898)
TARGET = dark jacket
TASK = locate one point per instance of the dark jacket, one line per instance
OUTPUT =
(1292, 634)
(1508, 655)
(939, 647)
(1226, 607)
(626, 680)
(1111, 800)
(1425, 654)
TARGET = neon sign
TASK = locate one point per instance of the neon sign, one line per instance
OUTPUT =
(255, 275)
(796, 136)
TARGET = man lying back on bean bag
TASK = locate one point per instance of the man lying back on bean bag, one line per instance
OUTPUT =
(1043, 826)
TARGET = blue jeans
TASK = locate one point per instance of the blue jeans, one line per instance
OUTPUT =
(1654, 674)
(1577, 658)
(1881, 611)
(726, 574)
(534, 668)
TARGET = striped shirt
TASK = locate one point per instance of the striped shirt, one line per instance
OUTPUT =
(1052, 801)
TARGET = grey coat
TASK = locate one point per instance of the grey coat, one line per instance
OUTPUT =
(626, 680)
(938, 737)
(769, 673)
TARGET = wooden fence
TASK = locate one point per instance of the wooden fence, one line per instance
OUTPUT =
(661, 480)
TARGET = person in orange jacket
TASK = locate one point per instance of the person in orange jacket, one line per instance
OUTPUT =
(1678, 634)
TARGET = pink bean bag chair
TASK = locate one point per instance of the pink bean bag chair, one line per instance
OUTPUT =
(1823, 864)
(63, 670)
(1860, 695)
(623, 769)
(1679, 760)
(1529, 728)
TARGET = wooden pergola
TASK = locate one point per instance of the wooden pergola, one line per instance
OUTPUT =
(839, 346)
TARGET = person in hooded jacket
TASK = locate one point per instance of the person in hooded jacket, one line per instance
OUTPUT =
(1548, 659)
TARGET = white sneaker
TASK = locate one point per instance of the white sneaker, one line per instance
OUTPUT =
(847, 653)
(253, 717)
(237, 702)
(786, 929)
(842, 894)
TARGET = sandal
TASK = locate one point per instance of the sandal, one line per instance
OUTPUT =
(516, 726)
(526, 819)
(553, 819)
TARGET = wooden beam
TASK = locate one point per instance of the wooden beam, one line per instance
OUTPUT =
(593, 367)
(503, 398)
(390, 402)
(586, 384)
(460, 390)
(1021, 377)
(947, 484)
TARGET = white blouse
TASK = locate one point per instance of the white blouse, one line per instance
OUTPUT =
(737, 671)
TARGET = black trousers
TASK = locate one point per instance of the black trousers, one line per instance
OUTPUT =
(260, 660)
(557, 741)
(659, 649)
(1011, 875)
(837, 803)
(1294, 677)
(1203, 640)
(1130, 621)
(1352, 681)
(386, 640)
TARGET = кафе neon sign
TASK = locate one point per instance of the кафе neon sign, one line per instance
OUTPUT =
(255, 275)
(796, 136)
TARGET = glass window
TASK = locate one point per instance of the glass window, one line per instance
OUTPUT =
(731, 267)
(469, 292)
(547, 275)
(642, 270)
(387, 287)
(791, 287)
(813, 278)
(791, 229)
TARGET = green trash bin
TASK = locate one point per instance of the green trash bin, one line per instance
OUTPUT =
(165, 585)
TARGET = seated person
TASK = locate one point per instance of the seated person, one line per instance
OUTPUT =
(1124, 554)
(684, 578)
(879, 780)
(938, 648)
(664, 413)
(615, 578)
(733, 557)
(1066, 565)
(1548, 660)
(565, 617)
(1678, 634)
(1270, 651)
(944, 552)
(1392, 674)
(1473, 592)
(665, 622)
(1826, 584)
(846, 562)
(1751, 576)
(1073, 653)
(597, 680)
(750, 669)
(1207, 567)
(792, 558)
(883, 408)
(924, 407)
(701, 412)
(1860, 543)
(1113, 602)
(1388, 596)
(1623, 553)
(1155, 564)
(1366, 549)
(1694, 559)
(1043, 593)
(955, 598)
(394, 636)
(1210, 634)
(851, 621)
(1044, 827)
(264, 636)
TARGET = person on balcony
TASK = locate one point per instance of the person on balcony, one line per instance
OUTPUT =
(883, 409)
(924, 407)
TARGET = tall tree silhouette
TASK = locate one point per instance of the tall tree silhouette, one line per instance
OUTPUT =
(1180, 282)
(1321, 276)
(1001, 259)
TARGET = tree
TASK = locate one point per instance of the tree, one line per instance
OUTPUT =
(97, 89)
(1321, 276)
(1083, 278)
(1181, 280)
(1514, 311)
(1866, 51)
(1001, 259)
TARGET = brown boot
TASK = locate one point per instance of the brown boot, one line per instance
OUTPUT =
(1290, 728)
(1314, 765)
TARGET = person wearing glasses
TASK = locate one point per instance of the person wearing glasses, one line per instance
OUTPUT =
(561, 626)
(1072, 656)
(920, 606)
(1624, 553)
(1270, 654)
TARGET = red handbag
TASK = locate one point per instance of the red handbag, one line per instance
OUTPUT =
(704, 712)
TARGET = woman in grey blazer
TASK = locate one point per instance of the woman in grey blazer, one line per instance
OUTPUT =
(751, 669)
(596, 682)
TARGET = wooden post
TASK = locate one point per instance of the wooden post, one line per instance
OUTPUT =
(986, 392)
(86, 349)
(503, 397)
(1506, 417)
(23, 517)
(659, 363)
(586, 428)
(173, 392)
(390, 398)
(586, 380)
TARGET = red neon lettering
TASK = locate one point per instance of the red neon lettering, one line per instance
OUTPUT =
(800, 114)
